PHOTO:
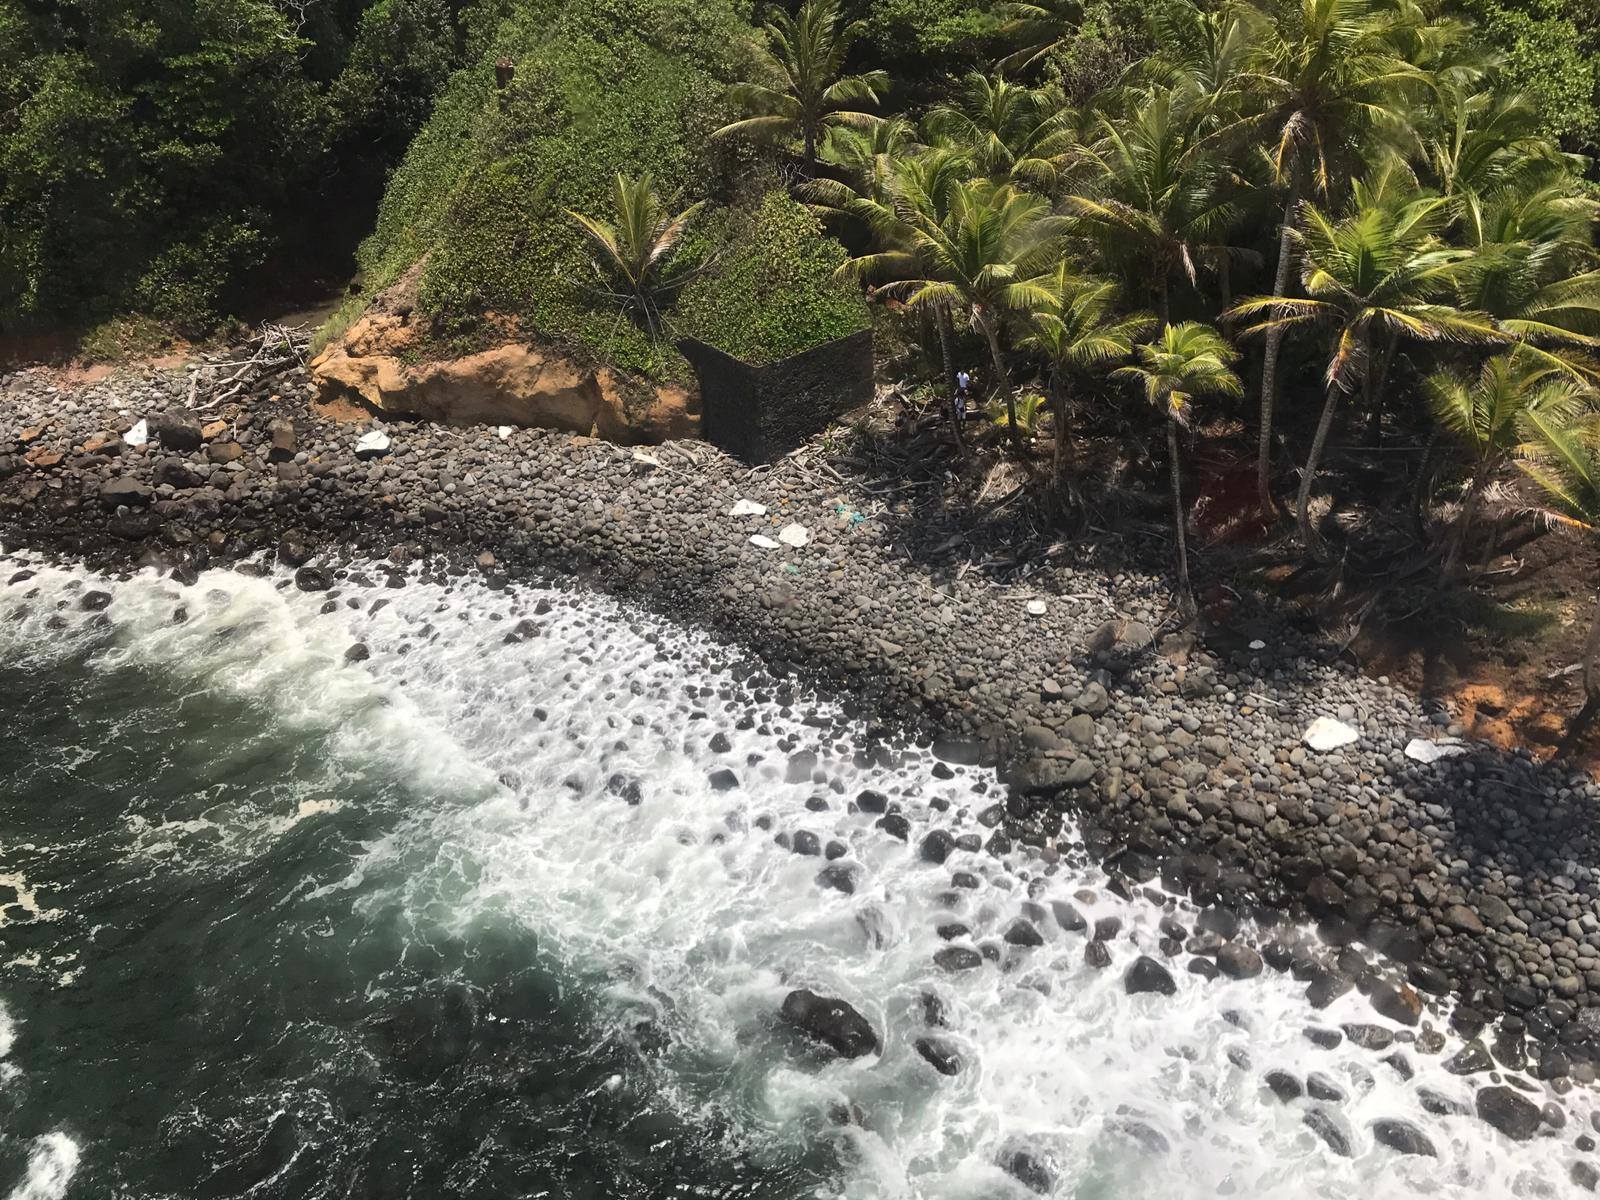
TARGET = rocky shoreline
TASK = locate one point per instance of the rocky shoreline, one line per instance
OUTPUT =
(1182, 757)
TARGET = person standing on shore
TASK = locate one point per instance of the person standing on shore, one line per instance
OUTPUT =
(963, 392)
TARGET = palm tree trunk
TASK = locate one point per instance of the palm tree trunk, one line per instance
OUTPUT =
(1058, 405)
(1422, 492)
(1308, 536)
(1186, 604)
(941, 319)
(1469, 511)
(1002, 379)
(1269, 354)
(1591, 687)
(1375, 391)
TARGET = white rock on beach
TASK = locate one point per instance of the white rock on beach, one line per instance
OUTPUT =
(794, 534)
(763, 541)
(139, 434)
(1327, 734)
(505, 431)
(1424, 751)
(1037, 608)
(748, 508)
(372, 444)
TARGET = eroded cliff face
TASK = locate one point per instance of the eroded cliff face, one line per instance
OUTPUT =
(378, 360)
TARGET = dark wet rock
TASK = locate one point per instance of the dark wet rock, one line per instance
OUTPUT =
(1068, 917)
(834, 849)
(870, 801)
(1399, 1064)
(1238, 961)
(1321, 1086)
(1331, 1130)
(313, 579)
(1030, 1167)
(1469, 1060)
(95, 601)
(806, 843)
(1369, 1037)
(935, 1013)
(895, 825)
(1439, 1104)
(1022, 932)
(1097, 956)
(720, 743)
(1509, 1111)
(937, 845)
(1283, 1085)
(1402, 1136)
(1202, 967)
(178, 429)
(840, 876)
(1107, 928)
(626, 788)
(1320, 1036)
(357, 653)
(1147, 975)
(1397, 1002)
(957, 958)
(830, 1021)
(952, 930)
(940, 1053)
(125, 491)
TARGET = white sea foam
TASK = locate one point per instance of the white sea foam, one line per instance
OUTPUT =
(695, 920)
(51, 1165)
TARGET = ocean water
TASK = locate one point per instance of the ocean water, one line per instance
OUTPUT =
(274, 923)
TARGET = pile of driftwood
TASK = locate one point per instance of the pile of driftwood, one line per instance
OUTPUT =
(249, 367)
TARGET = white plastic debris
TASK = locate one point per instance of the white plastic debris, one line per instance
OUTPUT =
(1258, 644)
(1327, 734)
(1037, 608)
(1424, 751)
(139, 434)
(645, 457)
(794, 534)
(505, 431)
(748, 508)
(372, 444)
(762, 540)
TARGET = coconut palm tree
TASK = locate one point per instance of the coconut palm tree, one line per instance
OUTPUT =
(1534, 269)
(1077, 330)
(920, 183)
(1185, 362)
(1012, 133)
(1372, 279)
(1564, 461)
(983, 255)
(633, 250)
(866, 156)
(1332, 73)
(1486, 413)
(806, 53)
(1155, 202)
(1039, 28)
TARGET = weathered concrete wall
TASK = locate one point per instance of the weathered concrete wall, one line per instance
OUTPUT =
(761, 413)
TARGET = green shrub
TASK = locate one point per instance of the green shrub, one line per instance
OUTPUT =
(771, 292)
(599, 86)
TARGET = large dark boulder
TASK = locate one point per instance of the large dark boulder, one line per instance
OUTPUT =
(1402, 1136)
(1147, 975)
(1509, 1111)
(941, 1054)
(1030, 1167)
(937, 846)
(831, 1021)
(126, 490)
(179, 430)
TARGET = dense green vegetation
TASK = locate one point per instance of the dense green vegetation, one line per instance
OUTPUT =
(174, 156)
(485, 196)
(1333, 223)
